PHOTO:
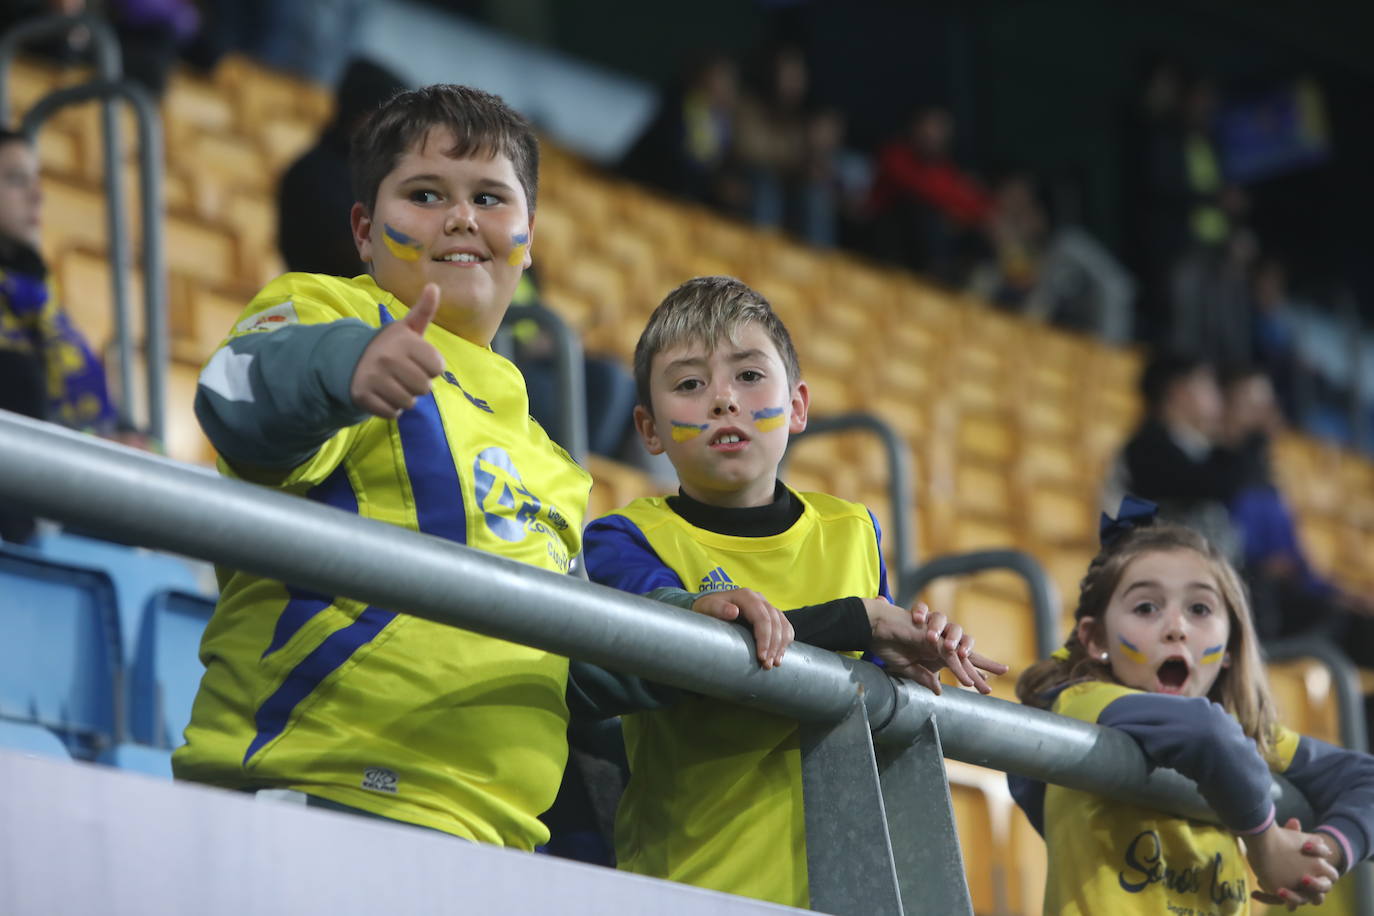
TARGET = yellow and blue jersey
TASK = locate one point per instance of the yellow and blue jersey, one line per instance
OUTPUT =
(1107, 856)
(405, 718)
(715, 796)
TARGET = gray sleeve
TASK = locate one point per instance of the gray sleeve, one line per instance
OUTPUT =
(1339, 784)
(271, 399)
(1200, 740)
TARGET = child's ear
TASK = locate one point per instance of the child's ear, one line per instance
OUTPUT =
(1089, 636)
(648, 432)
(529, 246)
(801, 402)
(361, 223)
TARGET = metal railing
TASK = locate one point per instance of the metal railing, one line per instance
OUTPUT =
(567, 365)
(854, 786)
(108, 88)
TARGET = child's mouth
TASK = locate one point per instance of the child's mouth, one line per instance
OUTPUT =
(1173, 675)
(729, 440)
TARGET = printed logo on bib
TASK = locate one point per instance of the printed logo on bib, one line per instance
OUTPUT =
(510, 510)
(278, 316)
(380, 779)
(1144, 865)
(717, 580)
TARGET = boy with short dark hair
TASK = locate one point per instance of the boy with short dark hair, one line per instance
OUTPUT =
(323, 389)
(714, 797)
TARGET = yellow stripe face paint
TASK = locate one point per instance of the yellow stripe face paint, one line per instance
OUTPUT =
(768, 419)
(517, 254)
(682, 432)
(1211, 656)
(1131, 652)
(400, 245)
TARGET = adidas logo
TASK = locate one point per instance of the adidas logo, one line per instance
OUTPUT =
(717, 580)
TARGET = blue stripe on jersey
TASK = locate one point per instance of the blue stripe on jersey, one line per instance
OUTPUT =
(335, 490)
(433, 476)
(884, 590)
(336, 649)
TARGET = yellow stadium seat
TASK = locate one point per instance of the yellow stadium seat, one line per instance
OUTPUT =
(1060, 515)
(73, 215)
(1306, 703)
(194, 103)
(284, 140)
(206, 252)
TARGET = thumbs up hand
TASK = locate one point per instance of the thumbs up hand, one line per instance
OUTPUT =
(398, 364)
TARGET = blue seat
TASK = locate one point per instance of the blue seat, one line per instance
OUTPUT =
(151, 761)
(27, 738)
(166, 669)
(60, 656)
(137, 574)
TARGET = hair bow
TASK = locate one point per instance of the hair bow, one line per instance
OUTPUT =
(1134, 513)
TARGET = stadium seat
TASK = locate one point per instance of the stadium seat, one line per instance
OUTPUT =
(1306, 703)
(60, 660)
(166, 667)
(151, 761)
(136, 574)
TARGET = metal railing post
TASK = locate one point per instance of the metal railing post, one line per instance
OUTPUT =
(900, 493)
(569, 367)
(849, 861)
(154, 273)
(109, 67)
(1044, 596)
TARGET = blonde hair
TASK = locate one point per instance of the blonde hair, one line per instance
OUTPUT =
(1242, 688)
(706, 310)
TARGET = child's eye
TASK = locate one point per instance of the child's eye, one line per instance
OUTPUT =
(1143, 608)
(486, 199)
(424, 197)
(751, 375)
(688, 384)
(1200, 609)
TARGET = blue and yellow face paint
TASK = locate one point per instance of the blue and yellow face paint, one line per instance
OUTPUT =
(401, 245)
(1131, 651)
(768, 419)
(521, 243)
(1212, 656)
(682, 432)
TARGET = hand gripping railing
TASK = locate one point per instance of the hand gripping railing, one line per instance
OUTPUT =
(1350, 703)
(109, 69)
(854, 789)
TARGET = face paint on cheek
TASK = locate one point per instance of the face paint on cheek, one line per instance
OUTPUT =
(768, 419)
(400, 245)
(685, 431)
(1131, 651)
(517, 253)
(1211, 656)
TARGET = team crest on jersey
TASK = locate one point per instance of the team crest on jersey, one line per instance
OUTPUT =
(717, 580)
(381, 779)
(511, 511)
(278, 316)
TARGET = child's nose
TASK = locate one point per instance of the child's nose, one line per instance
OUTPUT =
(462, 217)
(724, 402)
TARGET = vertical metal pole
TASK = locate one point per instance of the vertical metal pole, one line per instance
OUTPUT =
(155, 307)
(848, 854)
(925, 839)
(109, 66)
(573, 388)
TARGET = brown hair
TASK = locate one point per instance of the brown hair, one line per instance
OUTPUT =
(707, 310)
(1241, 688)
(482, 125)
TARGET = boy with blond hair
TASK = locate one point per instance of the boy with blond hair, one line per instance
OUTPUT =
(380, 395)
(714, 797)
